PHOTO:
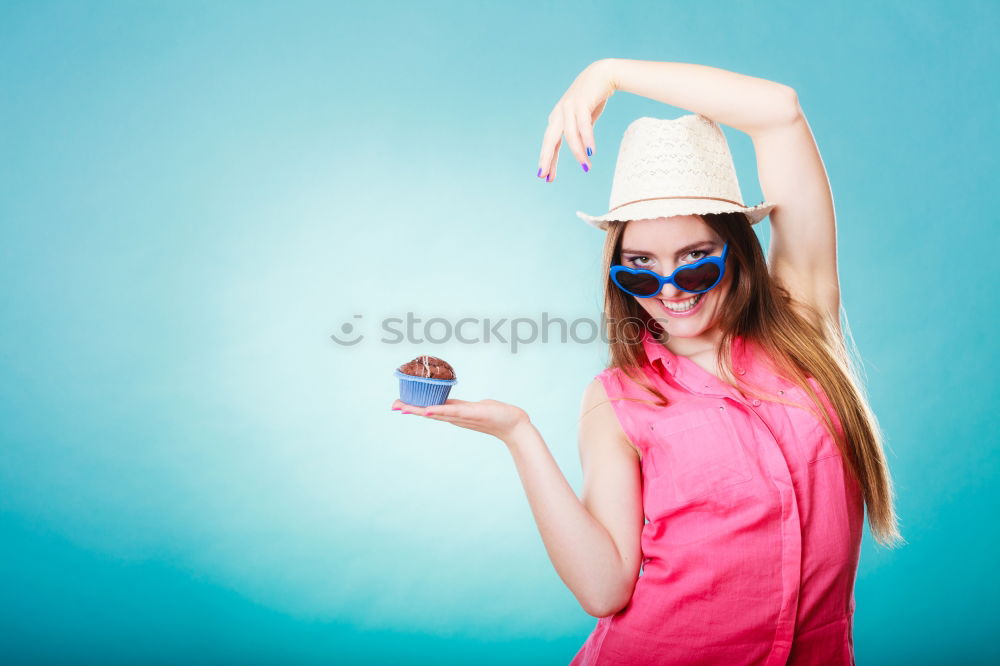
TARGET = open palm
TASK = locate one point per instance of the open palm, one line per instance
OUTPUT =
(489, 416)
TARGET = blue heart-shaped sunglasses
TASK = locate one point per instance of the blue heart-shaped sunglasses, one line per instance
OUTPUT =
(696, 278)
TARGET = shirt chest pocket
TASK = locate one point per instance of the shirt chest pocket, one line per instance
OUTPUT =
(694, 455)
(815, 441)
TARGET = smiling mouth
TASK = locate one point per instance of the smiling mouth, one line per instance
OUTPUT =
(683, 306)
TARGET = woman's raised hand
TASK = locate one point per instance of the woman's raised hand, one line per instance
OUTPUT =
(574, 116)
(489, 416)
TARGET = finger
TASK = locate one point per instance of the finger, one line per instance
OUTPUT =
(572, 132)
(555, 161)
(594, 116)
(449, 418)
(549, 154)
(549, 173)
(450, 401)
(472, 412)
(585, 123)
(438, 410)
(456, 421)
(465, 410)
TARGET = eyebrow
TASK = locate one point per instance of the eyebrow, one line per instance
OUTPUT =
(683, 250)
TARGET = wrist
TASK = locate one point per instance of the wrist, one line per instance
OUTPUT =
(608, 67)
(521, 432)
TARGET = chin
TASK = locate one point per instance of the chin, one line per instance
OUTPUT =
(676, 331)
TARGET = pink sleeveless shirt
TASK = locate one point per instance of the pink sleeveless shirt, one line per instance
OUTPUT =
(754, 523)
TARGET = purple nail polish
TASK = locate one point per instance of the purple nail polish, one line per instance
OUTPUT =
(548, 178)
(584, 165)
(539, 172)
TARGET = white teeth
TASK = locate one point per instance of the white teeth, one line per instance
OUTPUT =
(684, 306)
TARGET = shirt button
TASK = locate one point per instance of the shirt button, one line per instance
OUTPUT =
(781, 393)
(756, 402)
(741, 371)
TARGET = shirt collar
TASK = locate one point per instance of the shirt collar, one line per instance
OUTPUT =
(659, 354)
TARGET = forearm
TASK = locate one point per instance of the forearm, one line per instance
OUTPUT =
(747, 103)
(582, 550)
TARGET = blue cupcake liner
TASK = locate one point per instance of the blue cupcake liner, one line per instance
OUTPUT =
(423, 391)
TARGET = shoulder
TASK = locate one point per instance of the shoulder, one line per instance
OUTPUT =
(608, 387)
(594, 395)
(597, 389)
(600, 418)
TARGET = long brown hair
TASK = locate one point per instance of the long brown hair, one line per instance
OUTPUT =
(799, 342)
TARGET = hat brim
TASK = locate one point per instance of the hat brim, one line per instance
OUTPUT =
(643, 210)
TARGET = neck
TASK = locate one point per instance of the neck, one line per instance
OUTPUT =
(705, 343)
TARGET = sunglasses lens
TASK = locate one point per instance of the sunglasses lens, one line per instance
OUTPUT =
(641, 285)
(697, 279)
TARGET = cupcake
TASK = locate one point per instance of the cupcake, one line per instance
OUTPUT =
(425, 381)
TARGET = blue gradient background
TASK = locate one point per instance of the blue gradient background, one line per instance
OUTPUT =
(195, 196)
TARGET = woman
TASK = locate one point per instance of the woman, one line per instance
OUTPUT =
(728, 451)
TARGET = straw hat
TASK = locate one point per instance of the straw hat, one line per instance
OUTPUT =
(680, 166)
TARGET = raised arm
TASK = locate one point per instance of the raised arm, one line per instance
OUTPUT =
(803, 251)
(747, 103)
